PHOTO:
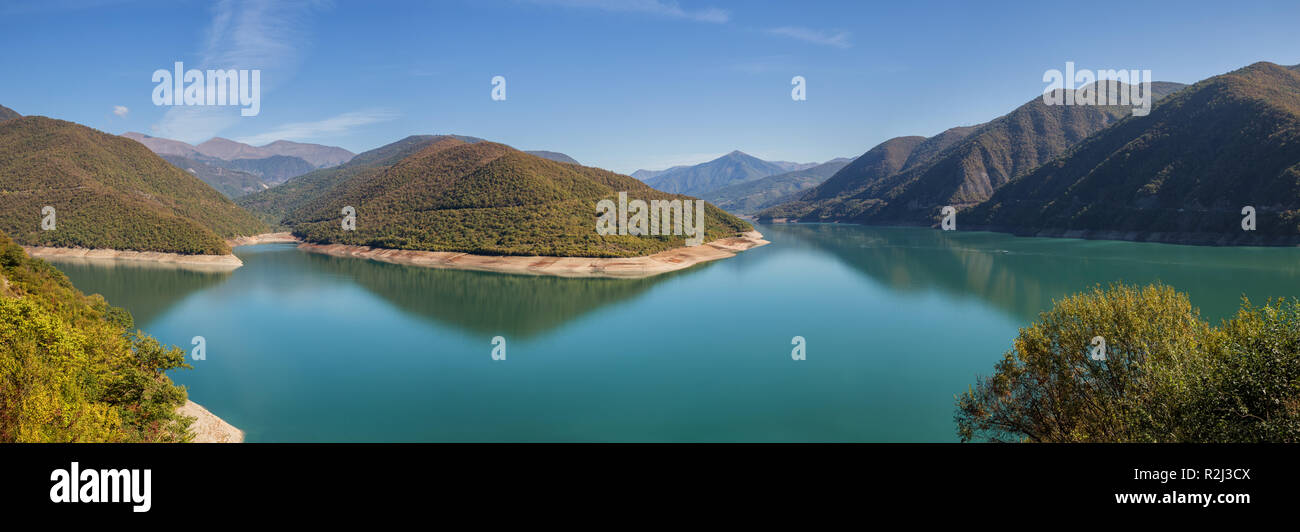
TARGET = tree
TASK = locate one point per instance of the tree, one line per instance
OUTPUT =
(1050, 388)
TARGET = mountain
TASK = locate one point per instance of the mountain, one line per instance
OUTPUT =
(315, 155)
(226, 149)
(163, 146)
(107, 192)
(232, 183)
(7, 113)
(753, 196)
(794, 167)
(647, 174)
(275, 203)
(441, 193)
(273, 163)
(319, 156)
(554, 156)
(962, 168)
(732, 168)
(274, 170)
(1182, 173)
(886, 159)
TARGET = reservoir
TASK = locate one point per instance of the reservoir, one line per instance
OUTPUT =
(311, 348)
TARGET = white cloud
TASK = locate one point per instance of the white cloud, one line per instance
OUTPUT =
(120, 110)
(313, 130)
(244, 34)
(838, 39)
(665, 8)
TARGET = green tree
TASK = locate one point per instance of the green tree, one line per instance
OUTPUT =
(1049, 388)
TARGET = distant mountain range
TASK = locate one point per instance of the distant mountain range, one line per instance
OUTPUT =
(554, 156)
(751, 197)
(232, 183)
(107, 192)
(907, 180)
(730, 169)
(449, 193)
(271, 164)
(1181, 174)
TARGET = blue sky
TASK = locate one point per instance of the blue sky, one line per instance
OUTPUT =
(620, 84)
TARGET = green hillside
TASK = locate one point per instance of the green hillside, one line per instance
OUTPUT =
(1186, 169)
(966, 172)
(108, 192)
(74, 369)
(475, 197)
(884, 160)
(273, 204)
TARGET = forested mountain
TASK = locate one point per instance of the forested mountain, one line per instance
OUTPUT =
(732, 168)
(886, 159)
(966, 171)
(107, 192)
(753, 196)
(442, 193)
(75, 369)
(232, 183)
(1182, 173)
(275, 203)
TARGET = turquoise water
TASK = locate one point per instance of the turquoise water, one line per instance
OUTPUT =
(304, 347)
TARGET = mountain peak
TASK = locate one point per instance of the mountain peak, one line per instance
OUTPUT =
(7, 113)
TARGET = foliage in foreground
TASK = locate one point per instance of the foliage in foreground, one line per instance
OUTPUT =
(71, 370)
(1168, 376)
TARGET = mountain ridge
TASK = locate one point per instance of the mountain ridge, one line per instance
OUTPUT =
(974, 163)
(730, 169)
(108, 192)
(1183, 173)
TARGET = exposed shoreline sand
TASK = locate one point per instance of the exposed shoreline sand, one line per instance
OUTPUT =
(84, 255)
(625, 268)
(207, 427)
(264, 238)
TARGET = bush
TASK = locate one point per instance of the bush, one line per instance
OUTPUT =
(1167, 376)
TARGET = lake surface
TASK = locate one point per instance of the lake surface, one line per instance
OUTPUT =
(305, 347)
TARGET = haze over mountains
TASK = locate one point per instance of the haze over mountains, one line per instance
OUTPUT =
(907, 180)
(247, 168)
(107, 192)
(750, 197)
(730, 169)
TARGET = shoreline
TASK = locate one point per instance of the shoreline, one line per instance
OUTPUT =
(207, 427)
(283, 237)
(1178, 238)
(215, 263)
(574, 267)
